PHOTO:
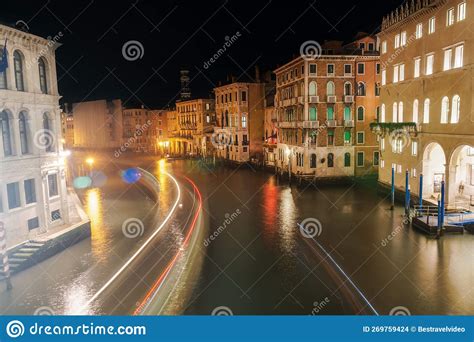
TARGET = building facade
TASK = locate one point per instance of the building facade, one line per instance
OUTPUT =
(240, 112)
(98, 124)
(270, 136)
(33, 192)
(324, 108)
(192, 125)
(67, 129)
(426, 98)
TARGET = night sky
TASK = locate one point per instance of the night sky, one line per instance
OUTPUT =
(177, 34)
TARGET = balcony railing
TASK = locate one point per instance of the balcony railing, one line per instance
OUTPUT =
(331, 99)
(313, 99)
(348, 123)
(349, 98)
(331, 123)
(310, 124)
(287, 124)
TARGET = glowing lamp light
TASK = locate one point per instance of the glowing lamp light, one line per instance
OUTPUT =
(131, 175)
(90, 161)
(65, 153)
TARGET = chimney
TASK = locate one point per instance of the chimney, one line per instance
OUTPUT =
(257, 74)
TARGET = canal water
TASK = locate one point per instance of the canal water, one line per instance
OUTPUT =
(259, 262)
(256, 259)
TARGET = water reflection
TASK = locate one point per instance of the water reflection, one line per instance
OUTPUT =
(288, 213)
(100, 239)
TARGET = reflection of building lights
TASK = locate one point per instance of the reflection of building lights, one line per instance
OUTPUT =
(288, 151)
(90, 161)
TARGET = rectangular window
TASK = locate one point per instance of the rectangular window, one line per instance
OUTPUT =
(330, 113)
(458, 56)
(417, 67)
(13, 193)
(55, 215)
(244, 121)
(431, 25)
(362, 46)
(403, 38)
(53, 185)
(395, 73)
(376, 158)
(429, 64)
(382, 145)
(360, 159)
(243, 96)
(30, 191)
(448, 53)
(347, 137)
(450, 17)
(384, 47)
(397, 41)
(347, 69)
(370, 46)
(413, 173)
(414, 148)
(419, 31)
(360, 68)
(384, 77)
(402, 72)
(462, 11)
(382, 163)
(312, 69)
(360, 137)
(330, 69)
(377, 68)
(33, 223)
(330, 138)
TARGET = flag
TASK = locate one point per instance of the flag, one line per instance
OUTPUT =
(4, 60)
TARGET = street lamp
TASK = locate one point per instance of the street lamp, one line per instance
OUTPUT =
(90, 162)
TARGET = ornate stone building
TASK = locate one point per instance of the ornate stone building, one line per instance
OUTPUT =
(426, 97)
(33, 192)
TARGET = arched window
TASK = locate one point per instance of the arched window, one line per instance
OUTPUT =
(313, 114)
(361, 89)
(360, 113)
(456, 109)
(382, 113)
(400, 111)
(444, 110)
(313, 161)
(6, 134)
(395, 112)
(347, 159)
(330, 88)
(330, 160)
(3, 75)
(42, 75)
(415, 111)
(347, 88)
(426, 111)
(18, 67)
(312, 88)
(48, 133)
(23, 126)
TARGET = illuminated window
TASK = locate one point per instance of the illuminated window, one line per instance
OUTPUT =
(462, 11)
(444, 110)
(458, 56)
(384, 77)
(448, 53)
(431, 25)
(429, 64)
(456, 108)
(426, 111)
(414, 148)
(417, 67)
(384, 46)
(419, 31)
(450, 17)
(415, 111)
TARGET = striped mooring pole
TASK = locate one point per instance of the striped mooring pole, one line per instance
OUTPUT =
(3, 250)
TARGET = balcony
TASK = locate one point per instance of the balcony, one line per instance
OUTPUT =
(286, 103)
(287, 124)
(348, 123)
(349, 98)
(310, 124)
(300, 99)
(331, 99)
(293, 101)
(313, 99)
(331, 123)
